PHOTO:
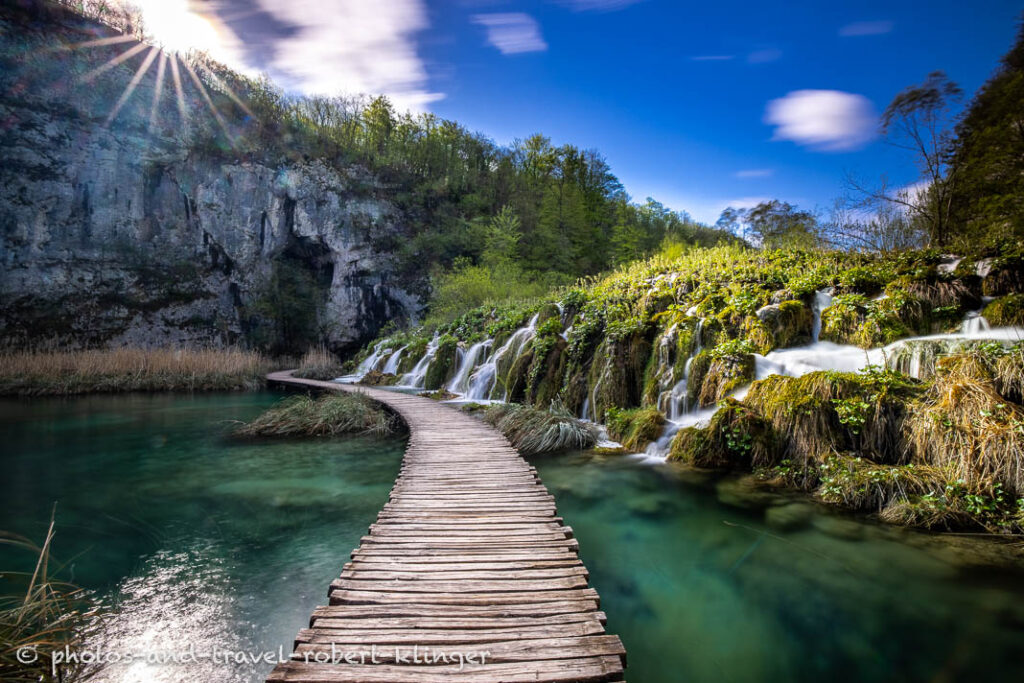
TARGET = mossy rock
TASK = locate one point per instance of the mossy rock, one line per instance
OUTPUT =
(698, 371)
(443, 364)
(376, 378)
(617, 374)
(635, 428)
(1006, 276)
(841, 321)
(545, 374)
(516, 381)
(723, 376)
(412, 355)
(737, 438)
(1007, 311)
(790, 323)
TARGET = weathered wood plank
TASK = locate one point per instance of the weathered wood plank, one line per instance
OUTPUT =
(467, 553)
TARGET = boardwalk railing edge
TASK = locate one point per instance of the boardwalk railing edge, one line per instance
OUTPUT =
(466, 575)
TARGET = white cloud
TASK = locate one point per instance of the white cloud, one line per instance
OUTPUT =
(755, 173)
(597, 5)
(712, 58)
(764, 56)
(512, 33)
(824, 120)
(353, 46)
(866, 28)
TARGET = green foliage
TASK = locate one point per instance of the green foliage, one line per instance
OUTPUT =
(1007, 311)
(532, 431)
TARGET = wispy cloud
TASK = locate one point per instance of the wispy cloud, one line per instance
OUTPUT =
(764, 56)
(755, 173)
(712, 58)
(512, 33)
(824, 120)
(597, 5)
(866, 28)
(352, 46)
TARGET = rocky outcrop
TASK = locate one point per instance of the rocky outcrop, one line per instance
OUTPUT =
(108, 238)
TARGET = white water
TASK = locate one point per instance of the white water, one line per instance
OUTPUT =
(459, 383)
(974, 323)
(482, 382)
(822, 300)
(391, 367)
(418, 375)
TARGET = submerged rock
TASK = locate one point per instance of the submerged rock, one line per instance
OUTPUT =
(791, 517)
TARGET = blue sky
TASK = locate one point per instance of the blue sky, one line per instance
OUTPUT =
(677, 95)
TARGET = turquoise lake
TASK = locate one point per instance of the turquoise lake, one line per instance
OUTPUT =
(197, 540)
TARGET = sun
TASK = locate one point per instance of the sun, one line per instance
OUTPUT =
(172, 25)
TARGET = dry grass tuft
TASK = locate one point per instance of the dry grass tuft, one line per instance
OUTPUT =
(57, 373)
(964, 424)
(319, 364)
(47, 615)
(330, 415)
(532, 431)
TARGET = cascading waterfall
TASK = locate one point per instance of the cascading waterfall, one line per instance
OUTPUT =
(822, 300)
(391, 367)
(482, 383)
(679, 414)
(460, 382)
(665, 372)
(974, 323)
(370, 362)
(418, 375)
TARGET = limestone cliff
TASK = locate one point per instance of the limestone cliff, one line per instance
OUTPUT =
(113, 234)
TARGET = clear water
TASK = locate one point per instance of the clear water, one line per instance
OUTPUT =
(701, 588)
(205, 541)
(215, 543)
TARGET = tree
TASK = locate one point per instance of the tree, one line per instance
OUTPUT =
(502, 242)
(989, 152)
(919, 120)
(773, 225)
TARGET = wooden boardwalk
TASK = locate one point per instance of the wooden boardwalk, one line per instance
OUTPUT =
(466, 558)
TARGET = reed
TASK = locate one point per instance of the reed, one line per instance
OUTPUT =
(319, 364)
(45, 616)
(57, 373)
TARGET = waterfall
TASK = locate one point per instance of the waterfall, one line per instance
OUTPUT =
(482, 382)
(974, 323)
(822, 300)
(391, 367)
(460, 383)
(370, 362)
(418, 375)
(665, 372)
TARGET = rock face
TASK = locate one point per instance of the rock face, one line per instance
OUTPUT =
(108, 237)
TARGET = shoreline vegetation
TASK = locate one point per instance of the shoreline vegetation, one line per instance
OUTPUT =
(69, 373)
(333, 414)
(44, 614)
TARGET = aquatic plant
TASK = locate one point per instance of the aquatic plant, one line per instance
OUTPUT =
(329, 415)
(532, 430)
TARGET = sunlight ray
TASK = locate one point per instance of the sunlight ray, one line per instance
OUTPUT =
(99, 42)
(209, 101)
(227, 90)
(158, 89)
(134, 83)
(111, 63)
(180, 92)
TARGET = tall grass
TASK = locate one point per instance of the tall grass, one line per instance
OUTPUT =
(319, 364)
(532, 430)
(330, 415)
(47, 616)
(55, 373)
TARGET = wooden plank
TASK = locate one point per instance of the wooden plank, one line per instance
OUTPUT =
(467, 553)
